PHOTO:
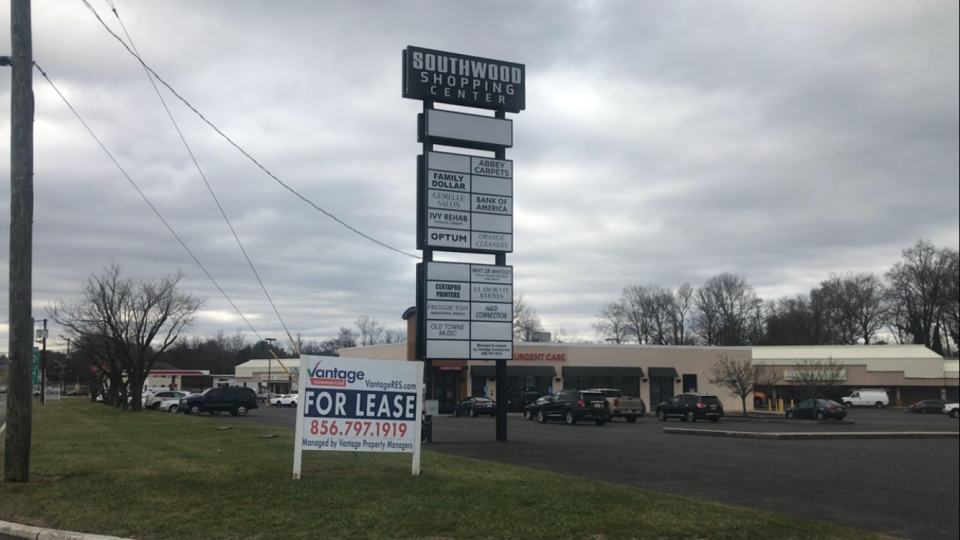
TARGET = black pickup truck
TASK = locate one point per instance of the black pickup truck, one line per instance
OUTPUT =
(575, 405)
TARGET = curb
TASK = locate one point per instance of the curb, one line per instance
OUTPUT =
(15, 531)
(813, 436)
(782, 420)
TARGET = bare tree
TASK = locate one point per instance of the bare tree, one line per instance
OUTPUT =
(816, 378)
(567, 335)
(742, 377)
(650, 313)
(612, 324)
(919, 289)
(682, 302)
(526, 322)
(369, 330)
(729, 312)
(127, 323)
(856, 305)
(394, 335)
(346, 339)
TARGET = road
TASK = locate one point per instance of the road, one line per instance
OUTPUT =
(908, 488)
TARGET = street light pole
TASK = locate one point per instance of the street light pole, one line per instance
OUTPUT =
(269, 342)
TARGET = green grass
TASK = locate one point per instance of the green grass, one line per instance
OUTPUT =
(159, 476)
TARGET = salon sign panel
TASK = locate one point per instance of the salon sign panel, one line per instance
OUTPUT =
(358, 405)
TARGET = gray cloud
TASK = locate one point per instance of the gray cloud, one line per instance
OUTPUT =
(664, 143)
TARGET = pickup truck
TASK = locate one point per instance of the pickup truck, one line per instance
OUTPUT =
(621, 406)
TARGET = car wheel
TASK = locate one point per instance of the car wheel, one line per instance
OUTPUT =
(473, 413)
(528, 414)
(195, 410)
(541, 417)
(455, 413)
(820, 415)
(923, 410)
(241, 410)
(601, 422)
(174, 408)
(790, 415)
(879, 404)
(691, 417)
(661, 416)
(955, 413)
(569, 419)
(632, 419)
(848, 405)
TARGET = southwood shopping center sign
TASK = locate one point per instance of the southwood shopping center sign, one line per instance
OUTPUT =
(465, 203)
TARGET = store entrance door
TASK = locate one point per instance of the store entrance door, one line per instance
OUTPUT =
(445, 389)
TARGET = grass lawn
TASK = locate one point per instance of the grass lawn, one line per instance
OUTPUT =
(163, 476)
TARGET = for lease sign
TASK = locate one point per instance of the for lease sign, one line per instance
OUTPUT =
(358, 405)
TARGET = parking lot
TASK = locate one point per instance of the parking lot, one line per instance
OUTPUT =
(908, 488)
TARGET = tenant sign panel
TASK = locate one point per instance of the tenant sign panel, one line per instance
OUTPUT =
(468, 311)
(468, 204)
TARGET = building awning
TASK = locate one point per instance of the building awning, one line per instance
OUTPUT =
(603, 372)
(514, 371)
(664, 372)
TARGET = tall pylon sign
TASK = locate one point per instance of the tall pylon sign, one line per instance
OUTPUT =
(465, 205)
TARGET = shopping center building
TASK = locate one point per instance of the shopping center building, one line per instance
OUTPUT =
(655, 373)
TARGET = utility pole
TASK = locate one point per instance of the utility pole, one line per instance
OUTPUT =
(43, 364)
(16, 464)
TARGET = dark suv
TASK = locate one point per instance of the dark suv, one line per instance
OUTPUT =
(235, 399)
(691, 407)
(575, 405)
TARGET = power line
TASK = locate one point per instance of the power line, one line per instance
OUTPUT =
(142, 194)
(200, 170)
(235, 145)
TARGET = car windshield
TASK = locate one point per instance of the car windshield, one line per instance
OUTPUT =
(610, 393)
(591, 396)
(710, 400)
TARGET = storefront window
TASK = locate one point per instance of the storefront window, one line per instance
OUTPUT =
(477, 386)
(661, 389)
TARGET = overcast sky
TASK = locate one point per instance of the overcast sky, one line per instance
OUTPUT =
(663, 143)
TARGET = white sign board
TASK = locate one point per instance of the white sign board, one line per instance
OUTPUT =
(359, 405)
(469, 203)
(469, 311)
(449, 127)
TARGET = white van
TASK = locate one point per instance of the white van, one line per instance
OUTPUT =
(867, 398)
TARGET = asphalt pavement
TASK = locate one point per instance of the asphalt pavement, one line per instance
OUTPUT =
(909, 488)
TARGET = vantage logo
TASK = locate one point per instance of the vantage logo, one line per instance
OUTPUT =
(332, 377)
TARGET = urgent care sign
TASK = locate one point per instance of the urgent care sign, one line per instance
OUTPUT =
(359, 405)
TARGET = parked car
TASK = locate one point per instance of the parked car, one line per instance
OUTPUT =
(237, 400)
(267, 396)
(953, 409)
(475, 406)
(691, 407)
(153, 401)
(622, 406)
(530, 411)
(868, 398)
(573, 406)
(824, 409)
(171, 405)
(928, 406)
(3, 389)
(288, 400)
